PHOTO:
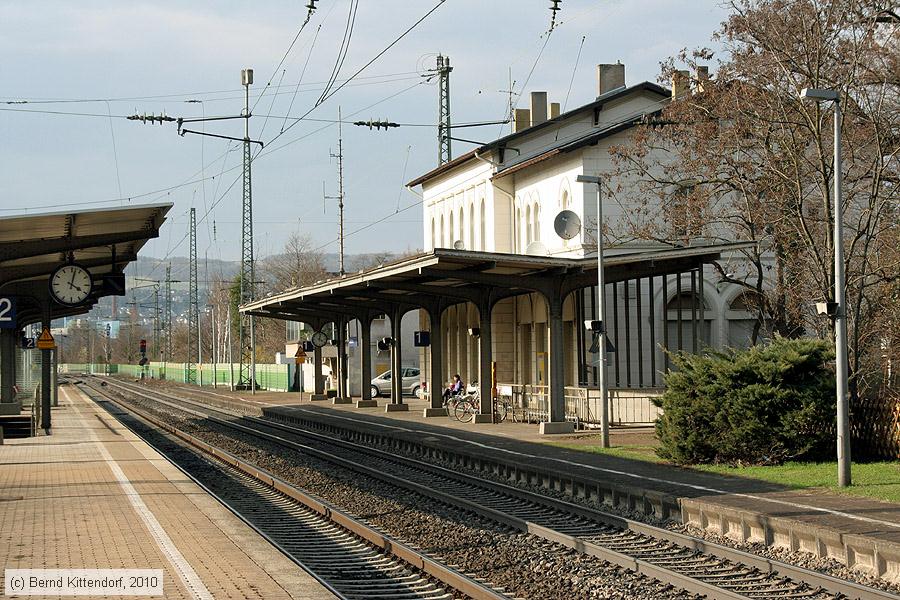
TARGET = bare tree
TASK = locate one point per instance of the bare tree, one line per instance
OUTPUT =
(742, 157)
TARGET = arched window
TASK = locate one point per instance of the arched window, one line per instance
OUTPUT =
(564, 200)
(518, 229)
(441, 244)
(471, 240)
(433, 244)
(462, 225)
(741, 317)
(481, 226)
(528, 232)
(451, 231)
(679, 312)
(537, 222)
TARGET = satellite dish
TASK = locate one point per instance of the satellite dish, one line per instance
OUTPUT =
(567, 224)
(537, 248)
(459, 245)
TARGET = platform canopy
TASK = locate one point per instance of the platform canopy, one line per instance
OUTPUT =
(454, 276)
(102, 240)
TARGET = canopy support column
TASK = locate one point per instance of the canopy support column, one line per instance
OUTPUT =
(319, 385)
(46, 362)
(557, 418)
(365, 362)
(485, 412)
(436, 377)
(396, 362)
(342, 397)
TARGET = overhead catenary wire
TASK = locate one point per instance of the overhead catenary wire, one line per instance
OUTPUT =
(363, 68)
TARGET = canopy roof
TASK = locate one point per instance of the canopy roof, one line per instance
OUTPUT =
(454, 276)
(101, 240)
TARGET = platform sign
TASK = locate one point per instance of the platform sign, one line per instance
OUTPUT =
(7, 312)
(300, 356)
(29, 343)
(45, 341)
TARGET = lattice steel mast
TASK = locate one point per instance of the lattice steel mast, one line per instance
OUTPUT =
(167, 315)
(246, 337)
(190, 373)
(443, 71)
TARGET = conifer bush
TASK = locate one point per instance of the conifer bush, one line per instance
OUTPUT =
(763, 405)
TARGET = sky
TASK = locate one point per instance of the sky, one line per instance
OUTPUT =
(108, 60)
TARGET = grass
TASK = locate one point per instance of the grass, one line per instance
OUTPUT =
(878, 480)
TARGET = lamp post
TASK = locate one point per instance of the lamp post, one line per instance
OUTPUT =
(840, 314)
(601, 312)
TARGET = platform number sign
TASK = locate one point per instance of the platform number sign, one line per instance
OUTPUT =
(7, 312)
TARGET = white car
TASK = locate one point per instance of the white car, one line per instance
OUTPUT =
(381, 385)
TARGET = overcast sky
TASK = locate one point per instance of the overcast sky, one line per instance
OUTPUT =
(129, 57)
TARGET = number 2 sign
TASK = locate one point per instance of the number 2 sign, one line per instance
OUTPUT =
(7, 312)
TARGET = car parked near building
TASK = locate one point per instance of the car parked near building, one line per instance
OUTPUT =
(381, 385)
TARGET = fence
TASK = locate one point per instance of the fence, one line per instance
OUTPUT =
(626, 406)
(275, 378)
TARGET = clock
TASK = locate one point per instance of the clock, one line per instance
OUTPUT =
(319, 339)
(70, 284)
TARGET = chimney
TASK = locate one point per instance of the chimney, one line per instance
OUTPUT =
(522, 119)
(610, 77)
(554, 112)
(681, 84)
(538, 107)
(702, 77)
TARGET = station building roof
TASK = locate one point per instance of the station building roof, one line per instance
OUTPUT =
(103, 241)
(455, 276)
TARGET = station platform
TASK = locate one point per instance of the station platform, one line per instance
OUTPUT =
(859, 532)
(94, 496)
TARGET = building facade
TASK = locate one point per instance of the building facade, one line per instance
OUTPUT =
(505, 196)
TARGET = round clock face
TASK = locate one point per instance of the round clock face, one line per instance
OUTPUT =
(70, 284)
(319, 339)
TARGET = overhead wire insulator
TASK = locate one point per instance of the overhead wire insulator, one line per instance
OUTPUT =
(376, 124)
(151, 118)
(554, 8)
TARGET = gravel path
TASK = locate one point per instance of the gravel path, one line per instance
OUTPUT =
(524, 565)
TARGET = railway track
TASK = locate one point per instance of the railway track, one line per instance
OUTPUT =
(350, 558)
(689, 563)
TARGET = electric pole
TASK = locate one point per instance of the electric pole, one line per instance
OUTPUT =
(190, 374)
(443, 71)
(340, 196)
(246, 337)
(167, 315)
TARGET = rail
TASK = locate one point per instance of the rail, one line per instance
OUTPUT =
(693, 564)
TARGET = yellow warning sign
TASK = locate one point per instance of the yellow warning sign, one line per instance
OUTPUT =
(46, 341)
(300, 356)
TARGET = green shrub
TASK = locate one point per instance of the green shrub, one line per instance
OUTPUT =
(764, 405)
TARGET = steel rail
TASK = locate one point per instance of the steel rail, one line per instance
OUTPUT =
(330, 514)
(764, 566)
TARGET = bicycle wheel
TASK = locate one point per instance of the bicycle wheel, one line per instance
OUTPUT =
(501, 409)
(464, 411)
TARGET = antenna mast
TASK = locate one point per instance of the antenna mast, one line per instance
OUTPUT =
(340, 196)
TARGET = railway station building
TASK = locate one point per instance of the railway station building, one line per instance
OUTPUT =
(504, 297)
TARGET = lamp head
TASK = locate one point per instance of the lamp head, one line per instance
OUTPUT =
(819, 95)
(588, 179)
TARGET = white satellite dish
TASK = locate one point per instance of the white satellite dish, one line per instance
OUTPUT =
(537, 248)
(567, 224)
(459, 245)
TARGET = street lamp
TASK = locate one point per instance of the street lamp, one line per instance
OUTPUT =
(840, 315)
(601, 311)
